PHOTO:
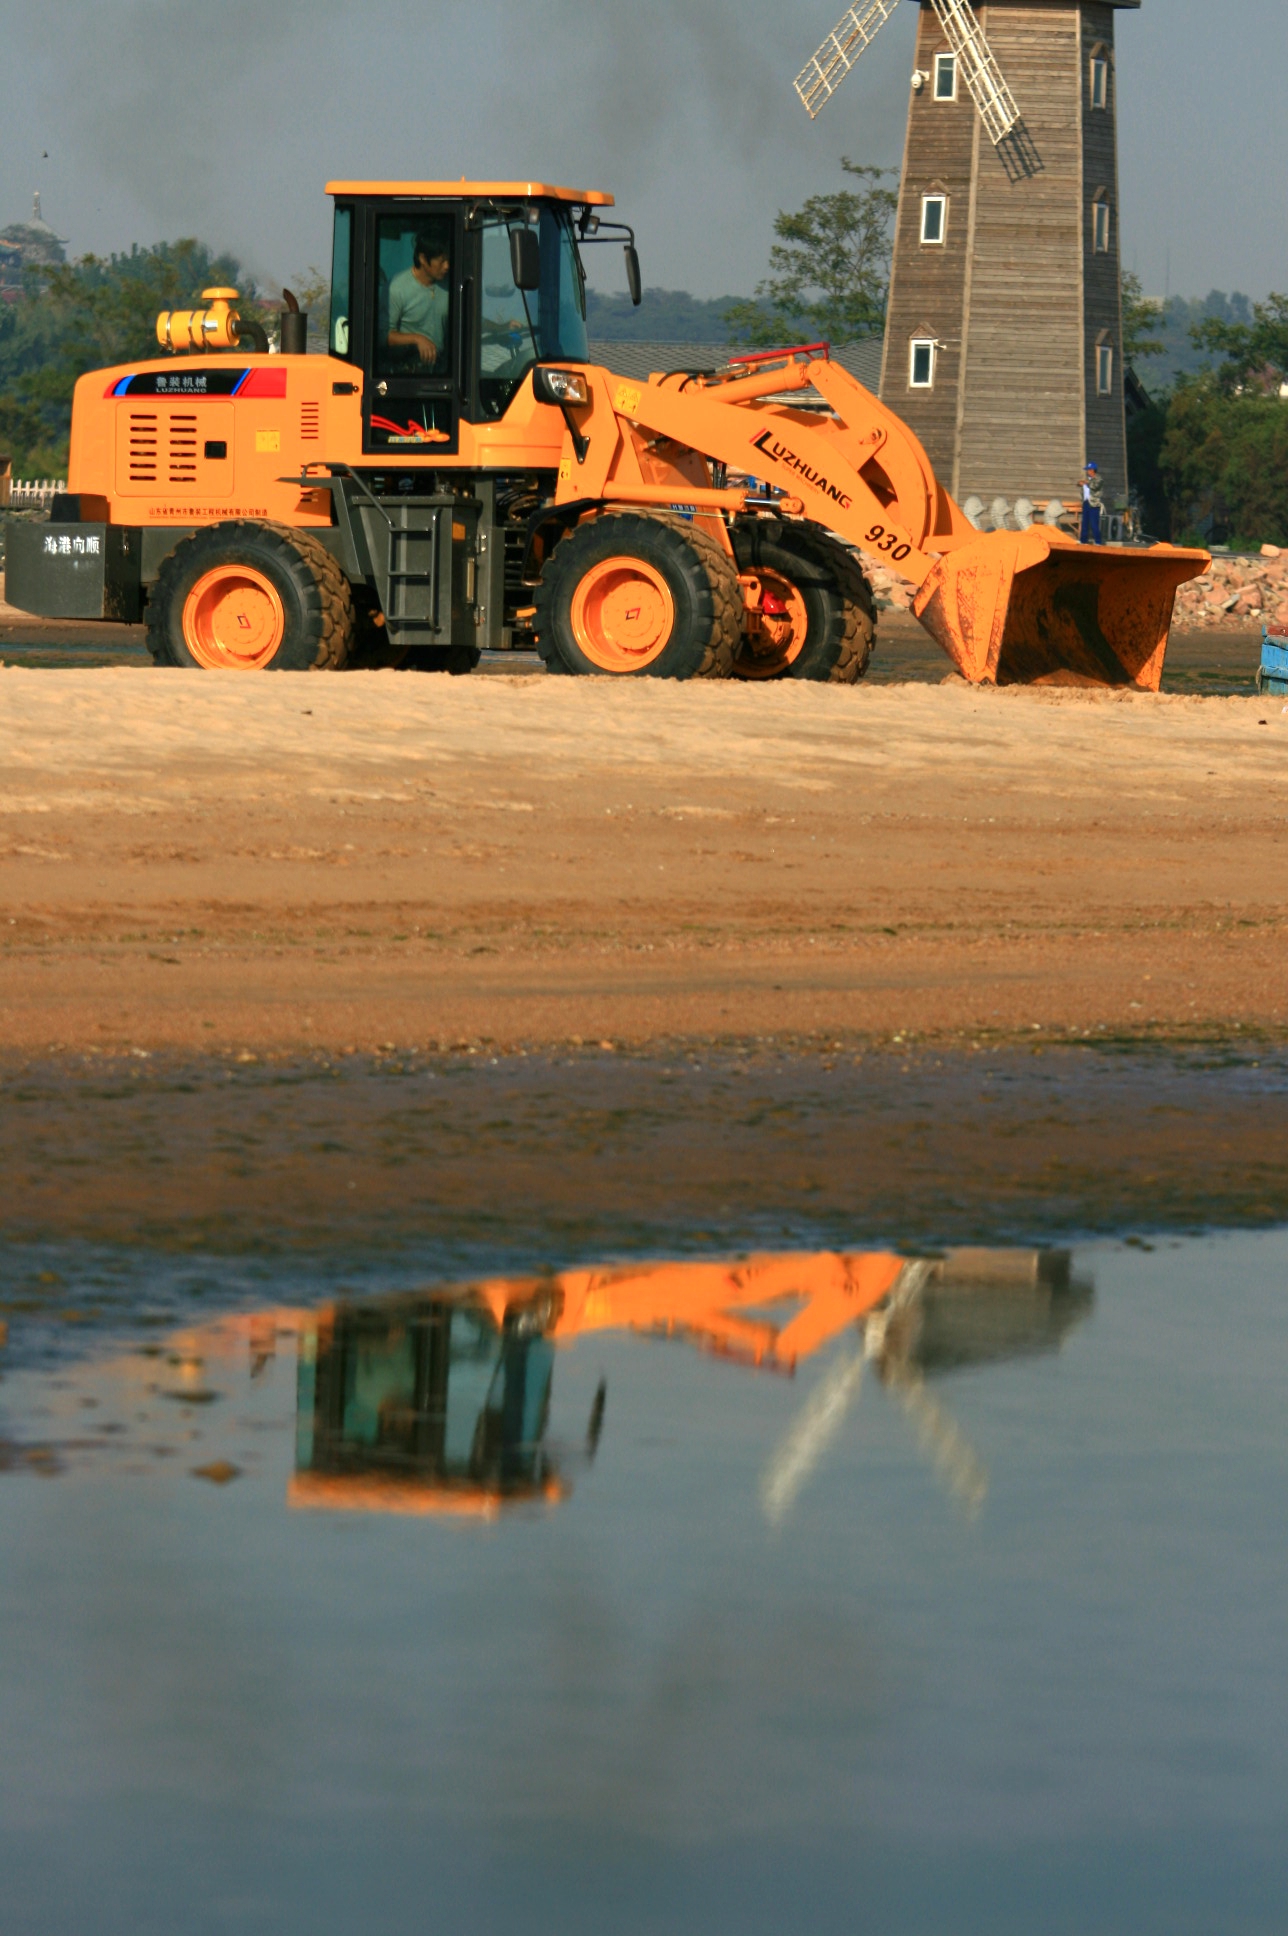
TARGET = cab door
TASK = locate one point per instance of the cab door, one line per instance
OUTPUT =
(412, 271)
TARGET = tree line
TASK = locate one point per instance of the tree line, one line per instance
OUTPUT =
(1208, 457)
(99, 311)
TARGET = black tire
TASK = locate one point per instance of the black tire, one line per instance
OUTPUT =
(316, 597)
(456, 659)
(699, 576)
(842, 618)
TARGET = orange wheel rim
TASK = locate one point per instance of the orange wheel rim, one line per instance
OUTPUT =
(623, 615)
(233, 620)
(775, 625)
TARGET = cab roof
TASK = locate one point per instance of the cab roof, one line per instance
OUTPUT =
(495, 191)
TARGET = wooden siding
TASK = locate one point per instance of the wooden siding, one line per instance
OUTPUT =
(928, 280)
(1106, 422)
(1017, 296)
(1022, 415)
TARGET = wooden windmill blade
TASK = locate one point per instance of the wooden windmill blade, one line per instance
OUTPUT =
(818, 81)
(851, 37)
(983, 76)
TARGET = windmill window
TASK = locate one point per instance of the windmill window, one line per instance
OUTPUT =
(1104, 368)
(921, 363)
(934, 217)
(1099, 80)
(1100, 225)
(945, 77)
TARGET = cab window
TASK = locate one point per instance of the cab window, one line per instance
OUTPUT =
(413, 296)
(518, 328)
(507, 342)
(341, 258)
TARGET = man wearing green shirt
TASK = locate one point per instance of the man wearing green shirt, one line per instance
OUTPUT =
(418, 301)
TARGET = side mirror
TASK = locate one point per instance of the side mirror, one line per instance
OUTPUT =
(525, 259)
(633, 280)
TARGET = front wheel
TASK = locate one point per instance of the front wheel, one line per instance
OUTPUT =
(636, 596)
(251, 598)
(808, 611)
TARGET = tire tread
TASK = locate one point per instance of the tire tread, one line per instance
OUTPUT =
(337, 628)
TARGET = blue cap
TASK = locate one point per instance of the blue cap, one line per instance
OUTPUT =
(1090, 466)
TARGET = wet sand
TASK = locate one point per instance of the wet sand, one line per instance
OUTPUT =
(279, 865)
(469, 1162)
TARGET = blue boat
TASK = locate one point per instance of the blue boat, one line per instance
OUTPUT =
(1272, 674)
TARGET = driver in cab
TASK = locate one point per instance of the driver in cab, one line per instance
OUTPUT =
(418, 301)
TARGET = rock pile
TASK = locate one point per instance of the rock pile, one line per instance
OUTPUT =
(888, 588)
(1237, 591)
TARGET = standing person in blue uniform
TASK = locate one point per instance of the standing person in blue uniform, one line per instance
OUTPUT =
(1092, 506)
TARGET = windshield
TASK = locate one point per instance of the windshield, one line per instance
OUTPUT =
(521, 327)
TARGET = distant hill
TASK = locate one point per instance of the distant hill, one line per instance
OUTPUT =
(664, 316)
(1180, 358)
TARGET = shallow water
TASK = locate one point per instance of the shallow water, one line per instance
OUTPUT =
(609, 1602)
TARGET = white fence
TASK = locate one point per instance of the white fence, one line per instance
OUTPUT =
(34, 494)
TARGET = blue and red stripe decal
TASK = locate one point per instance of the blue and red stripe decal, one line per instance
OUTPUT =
(186, 383)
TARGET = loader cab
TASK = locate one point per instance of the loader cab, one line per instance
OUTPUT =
(452, 337)
(430, 1403)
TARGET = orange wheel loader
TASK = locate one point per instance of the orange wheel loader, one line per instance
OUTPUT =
(455, 475)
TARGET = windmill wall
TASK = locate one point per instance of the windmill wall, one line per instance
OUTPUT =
(1017, 297)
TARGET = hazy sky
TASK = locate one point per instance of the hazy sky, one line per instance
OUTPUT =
(225, 118)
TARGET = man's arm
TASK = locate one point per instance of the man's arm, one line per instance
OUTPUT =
(407, 339)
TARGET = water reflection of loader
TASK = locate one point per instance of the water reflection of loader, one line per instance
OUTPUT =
(440, 1403)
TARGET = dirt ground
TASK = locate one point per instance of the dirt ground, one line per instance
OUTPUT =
(192, 864)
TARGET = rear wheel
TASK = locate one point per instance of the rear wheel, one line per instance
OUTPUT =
(251, 598)
(636, 596)
(808, 609)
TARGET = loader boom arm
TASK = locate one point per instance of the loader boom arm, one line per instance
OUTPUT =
(1005, 606)
(862, 474)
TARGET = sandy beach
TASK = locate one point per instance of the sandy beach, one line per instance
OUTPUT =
(280, 864)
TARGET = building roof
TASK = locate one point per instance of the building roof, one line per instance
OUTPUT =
(492, 191)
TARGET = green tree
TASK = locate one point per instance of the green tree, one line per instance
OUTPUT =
(23, 438)
(89, 315)
(1142, 321)
(1254, 351)
(1223, 463)
(829, 268)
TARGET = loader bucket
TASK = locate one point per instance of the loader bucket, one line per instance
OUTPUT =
(1035, 608)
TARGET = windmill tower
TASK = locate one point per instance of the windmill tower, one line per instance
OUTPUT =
(1003, 348)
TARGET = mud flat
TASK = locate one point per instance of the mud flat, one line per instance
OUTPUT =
(386, 1169)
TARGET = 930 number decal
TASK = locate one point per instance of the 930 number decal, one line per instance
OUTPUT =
(882, 540)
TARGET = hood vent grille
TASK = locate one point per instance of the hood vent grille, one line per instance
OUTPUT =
(183, 449)
(143, 447)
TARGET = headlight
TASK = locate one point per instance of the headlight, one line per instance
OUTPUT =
(560, 386)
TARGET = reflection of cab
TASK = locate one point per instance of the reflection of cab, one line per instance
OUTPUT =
(424, 1404)
(440, 1403)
